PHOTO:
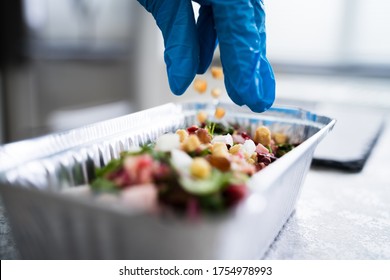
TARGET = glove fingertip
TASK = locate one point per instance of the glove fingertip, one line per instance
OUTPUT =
(258, 92)
(179, 84)
(260, 106)
(264, 99)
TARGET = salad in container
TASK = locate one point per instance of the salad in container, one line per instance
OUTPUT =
(199, 169)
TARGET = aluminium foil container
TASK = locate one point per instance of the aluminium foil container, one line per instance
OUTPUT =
(36, 176)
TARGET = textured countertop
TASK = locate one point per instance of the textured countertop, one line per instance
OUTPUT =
(339, 215)
(7, 245)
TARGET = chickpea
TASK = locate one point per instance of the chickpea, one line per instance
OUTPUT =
(221, 163)
(219, 113)
(200, 168)
(217, 72)
(191, 143)
(280, 138)
(183, 134)
(219, 145)
(200, 85)
(220, 153)
(220, 150)
(201, 116)
(203, 135)
(235, 149)
(216, 92)
(263, 136)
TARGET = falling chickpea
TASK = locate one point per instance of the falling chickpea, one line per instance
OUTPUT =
(216, 92)
(201, 116)
(219, 113)
(217, 72)
(200, 85)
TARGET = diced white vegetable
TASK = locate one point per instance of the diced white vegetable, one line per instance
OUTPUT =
(168, 142)
(249, 147)
(237, 138)
(227, 139)
(181, 161)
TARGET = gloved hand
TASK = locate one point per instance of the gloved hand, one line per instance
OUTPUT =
(238, 25)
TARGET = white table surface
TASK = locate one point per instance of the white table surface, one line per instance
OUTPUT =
(341, 215)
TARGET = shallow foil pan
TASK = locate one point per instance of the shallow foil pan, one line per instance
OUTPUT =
(36, 176)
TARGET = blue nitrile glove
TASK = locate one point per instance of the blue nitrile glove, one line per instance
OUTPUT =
(239, 26)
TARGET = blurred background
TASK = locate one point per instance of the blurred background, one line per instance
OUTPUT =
(66, 63)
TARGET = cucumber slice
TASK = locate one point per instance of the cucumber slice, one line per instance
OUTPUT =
(214, 183)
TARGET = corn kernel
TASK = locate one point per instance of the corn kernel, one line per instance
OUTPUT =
(254, 156)
(235, 149)
(183, 134)
(280, 138)
(246, 155)
(191, 143)
(200, 85)
(217, 72)
(263, 136)
(250, 161)
(201, 116)
(219, 113)
(216, 92)
(200, 168)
